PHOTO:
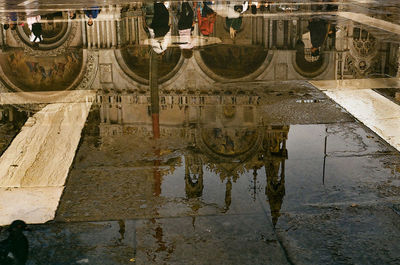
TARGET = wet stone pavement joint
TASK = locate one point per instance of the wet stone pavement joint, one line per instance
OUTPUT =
(199, 133)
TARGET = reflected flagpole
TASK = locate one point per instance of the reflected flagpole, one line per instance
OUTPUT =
(155, 117)
(155, 107)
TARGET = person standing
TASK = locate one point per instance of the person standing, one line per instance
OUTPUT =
(159, 29)
(206, 19)
(36, 28)
(37, 32)
(185, 27)
(92, 13)
(319, 29)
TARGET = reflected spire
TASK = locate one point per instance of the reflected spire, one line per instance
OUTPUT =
(276, 154)
(254, 184)
(228, 195)
(275, 189)
(193, 176)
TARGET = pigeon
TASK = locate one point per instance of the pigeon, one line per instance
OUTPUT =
(14, 249)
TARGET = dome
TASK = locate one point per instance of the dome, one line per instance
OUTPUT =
(41, 73)
(137, 59)
(229, 141)
(233, 61)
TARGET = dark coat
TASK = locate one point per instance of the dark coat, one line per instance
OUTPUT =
(37, 29)
(318, 32)
(17, 245)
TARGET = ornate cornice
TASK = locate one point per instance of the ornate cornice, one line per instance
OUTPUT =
(91, 66)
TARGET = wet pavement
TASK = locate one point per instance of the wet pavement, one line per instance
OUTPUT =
(192, 133)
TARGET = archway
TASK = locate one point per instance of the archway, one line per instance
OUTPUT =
(41, 73)
(232, 62)
(135, 62)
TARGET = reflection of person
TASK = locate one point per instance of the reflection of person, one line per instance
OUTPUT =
(160, 28)
(15, 244)
(71, 14)
(37, 32)
(185, 27)
(92, 14)
(13, 17)
(319, 29)
(234, 25)
(36, 28)
(231, 10)
(233, 16)
(206, 18)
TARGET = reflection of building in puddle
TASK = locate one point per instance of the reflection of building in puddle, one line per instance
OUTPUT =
(227, 140)
(230, 157)
(193, 176)
(276, 154)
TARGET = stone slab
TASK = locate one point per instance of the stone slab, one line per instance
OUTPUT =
(356, 84)
(371, 21)
(33, 205)
(375, 111)
(35, 166)
(42, 152)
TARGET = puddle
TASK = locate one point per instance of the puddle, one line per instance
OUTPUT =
(12, 118)
(391, 93)
(205, 142)
(223, 163)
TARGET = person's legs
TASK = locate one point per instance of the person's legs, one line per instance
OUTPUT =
(160, 23)
(161, 15)
(160, 10)
(187, 9)
(186, 17)
(184, 8)
(206, 10)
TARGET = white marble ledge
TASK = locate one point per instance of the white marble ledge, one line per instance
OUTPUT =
(375, 111)
(366, 104)
(42, 153)
(371, 21)
(73, 96)
(33, 205)
(388, 129)
(356, 84)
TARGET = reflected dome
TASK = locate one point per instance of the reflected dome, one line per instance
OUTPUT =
(41, 73)
(308, 65)
(229, 141)
(138, 61)
(233, 61)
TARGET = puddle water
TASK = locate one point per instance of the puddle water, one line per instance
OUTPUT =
(189, 133)
(12, 118)
(391, 93)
